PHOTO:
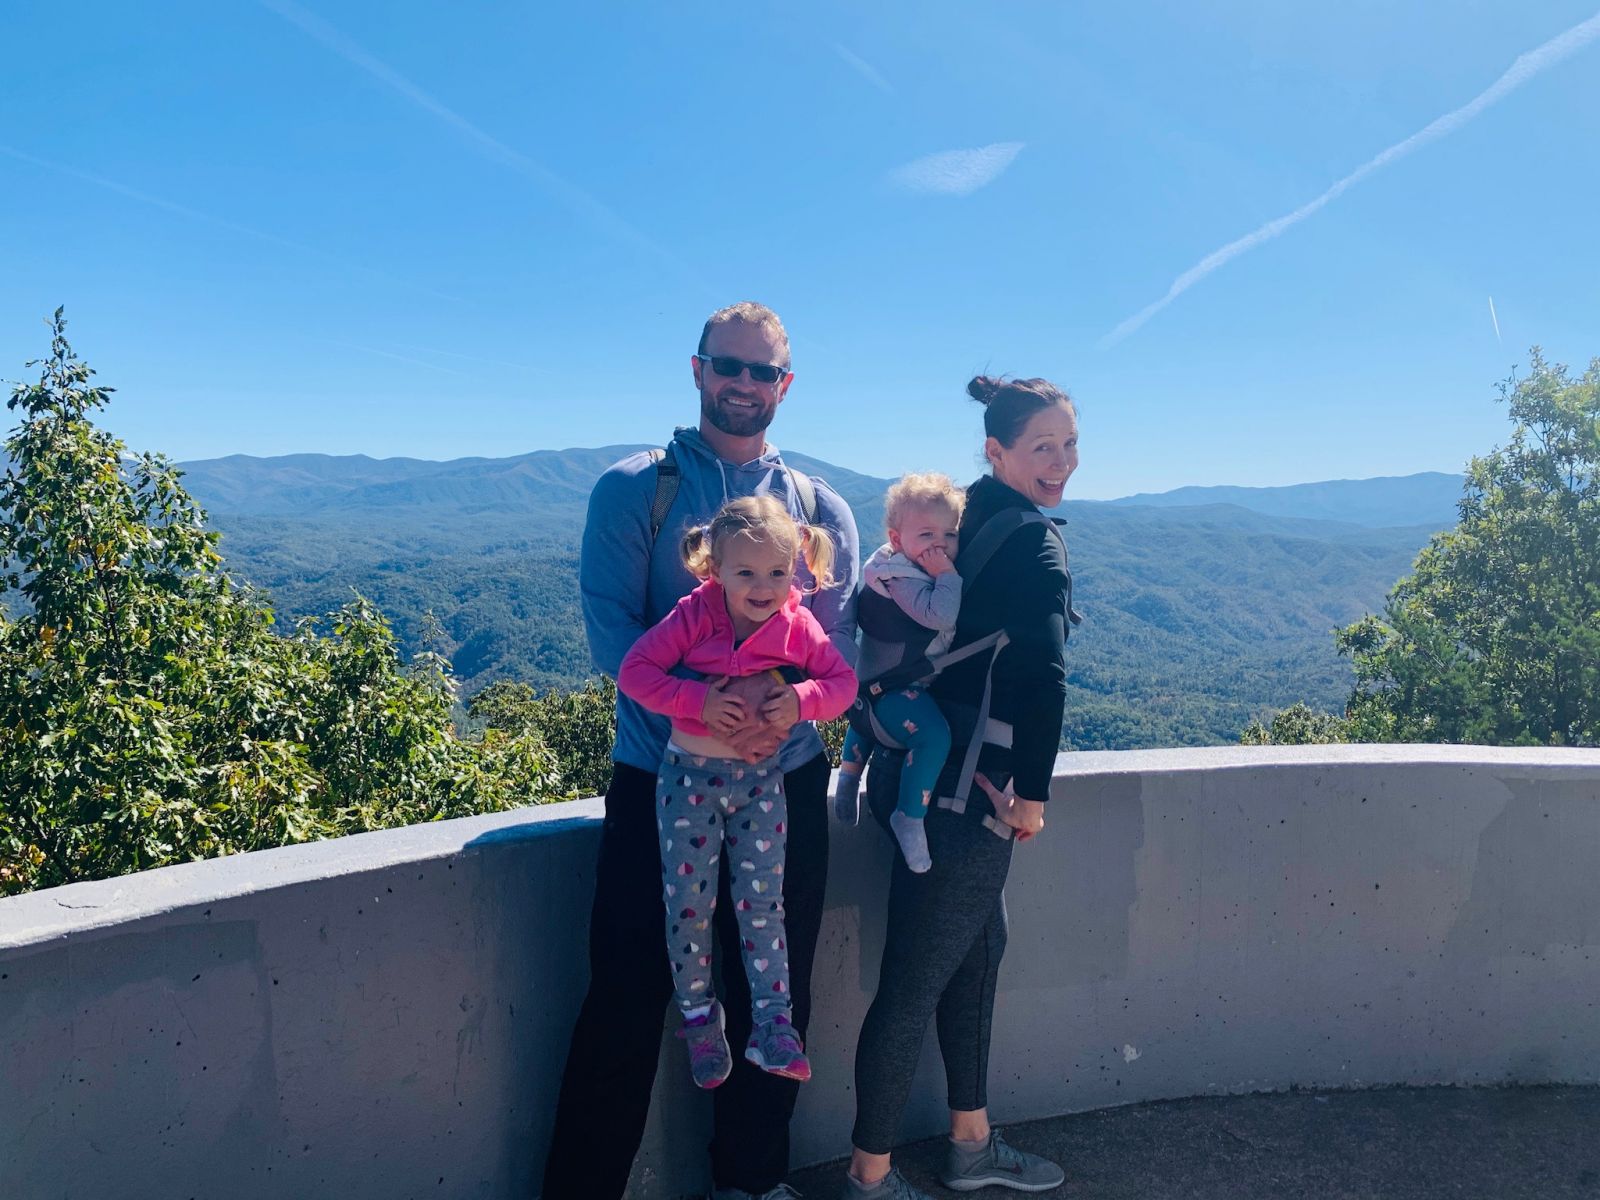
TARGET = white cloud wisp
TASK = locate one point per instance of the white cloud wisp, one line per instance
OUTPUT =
(956, 172)
(194, 214)
(1523, 69)
(562, 189)
(864, 69)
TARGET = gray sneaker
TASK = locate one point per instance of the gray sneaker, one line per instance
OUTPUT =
(893, 1186)
(710, 1060)
(999, 1165)
(775, 1048)
(782, 1192)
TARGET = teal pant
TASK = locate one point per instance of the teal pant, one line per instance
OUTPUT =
(914, 719)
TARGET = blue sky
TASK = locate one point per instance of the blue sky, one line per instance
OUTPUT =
(405, 228)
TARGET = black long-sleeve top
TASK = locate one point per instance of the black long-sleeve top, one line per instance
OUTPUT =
(1025, 588)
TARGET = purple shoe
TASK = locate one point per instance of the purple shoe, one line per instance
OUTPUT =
(775, 1048)
(710, 1060)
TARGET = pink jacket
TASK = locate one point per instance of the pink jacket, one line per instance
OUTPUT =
(698, 634)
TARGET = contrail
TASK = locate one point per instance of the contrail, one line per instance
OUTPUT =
(1523, 69)
(864, 69)
(416, 362)
(193, 214)
(481, 360)
(1496, 321)
(568, 193)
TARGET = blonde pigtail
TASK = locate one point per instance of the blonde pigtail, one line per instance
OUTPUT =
(696, 549)
(817, 549)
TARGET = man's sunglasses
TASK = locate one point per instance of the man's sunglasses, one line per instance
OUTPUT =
(731, 368)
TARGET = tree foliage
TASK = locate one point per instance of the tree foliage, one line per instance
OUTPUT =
(149, 714)
(579, 727)
(1495, 635)
(1297, 725)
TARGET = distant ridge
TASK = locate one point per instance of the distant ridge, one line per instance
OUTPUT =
(328, 486)
(1427, 498)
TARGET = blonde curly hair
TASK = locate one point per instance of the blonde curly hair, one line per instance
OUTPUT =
(762, 519)
(915, 490)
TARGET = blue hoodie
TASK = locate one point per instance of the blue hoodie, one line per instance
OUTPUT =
(626, 588)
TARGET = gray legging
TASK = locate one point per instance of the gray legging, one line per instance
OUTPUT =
(946, 935)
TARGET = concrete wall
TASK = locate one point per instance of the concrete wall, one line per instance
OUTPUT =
(385, 1016)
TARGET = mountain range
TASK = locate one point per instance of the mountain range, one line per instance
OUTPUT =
(329, 486)
(1206, 606)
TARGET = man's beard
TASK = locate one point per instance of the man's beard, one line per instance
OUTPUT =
(736, 422)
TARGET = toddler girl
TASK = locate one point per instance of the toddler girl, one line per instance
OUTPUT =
(744, 618)
(907, 610)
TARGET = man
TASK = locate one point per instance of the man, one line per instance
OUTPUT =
(629, 581)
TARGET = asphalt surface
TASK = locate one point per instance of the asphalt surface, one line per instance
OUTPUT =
(1389, 1144)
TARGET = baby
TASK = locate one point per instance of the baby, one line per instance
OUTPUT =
(907, 611)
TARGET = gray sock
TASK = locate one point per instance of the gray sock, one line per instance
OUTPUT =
(971, 1149)
(846, 797)
(913, 839)
(855, 1187)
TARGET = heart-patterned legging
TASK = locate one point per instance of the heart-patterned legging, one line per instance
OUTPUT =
(703, 806)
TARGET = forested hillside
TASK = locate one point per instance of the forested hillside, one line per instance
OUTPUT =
(1199, 616)
(1427, 498)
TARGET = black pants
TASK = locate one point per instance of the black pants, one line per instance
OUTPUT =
(941, 958)
(611, 1066)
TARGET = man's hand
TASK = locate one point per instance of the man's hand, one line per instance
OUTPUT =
(783, 709)
(724, 712)
(756, 737)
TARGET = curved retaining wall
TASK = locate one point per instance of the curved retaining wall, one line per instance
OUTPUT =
(386, 1015)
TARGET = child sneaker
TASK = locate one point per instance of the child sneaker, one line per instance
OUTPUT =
(775, 1048)
(710, 1060)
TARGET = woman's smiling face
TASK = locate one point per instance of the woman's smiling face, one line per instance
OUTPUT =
(1042, 459)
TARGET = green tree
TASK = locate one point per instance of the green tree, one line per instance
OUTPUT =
(148, 712)
(1495, 635)
(579, 727)
(1297, 725)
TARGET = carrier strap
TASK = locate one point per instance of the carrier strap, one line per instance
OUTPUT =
(669, 476)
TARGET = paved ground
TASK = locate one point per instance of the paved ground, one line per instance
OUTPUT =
(1394, 1144)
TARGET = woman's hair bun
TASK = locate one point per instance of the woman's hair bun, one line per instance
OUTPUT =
(983, 389)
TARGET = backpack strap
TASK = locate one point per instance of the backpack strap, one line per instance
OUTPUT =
(667, 479)
(669, 476)
(805, 491)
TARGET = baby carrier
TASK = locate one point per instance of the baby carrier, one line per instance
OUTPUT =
(881, 617)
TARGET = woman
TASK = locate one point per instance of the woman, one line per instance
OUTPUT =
(947, 928)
